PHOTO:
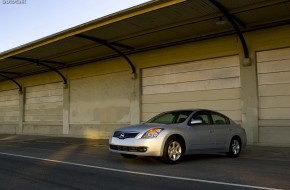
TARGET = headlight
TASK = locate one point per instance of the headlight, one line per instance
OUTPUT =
(152, 133)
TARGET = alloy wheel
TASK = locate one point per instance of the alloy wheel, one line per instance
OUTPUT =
(174, 151)
(235, 147)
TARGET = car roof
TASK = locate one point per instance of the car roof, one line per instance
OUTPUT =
(193, 110)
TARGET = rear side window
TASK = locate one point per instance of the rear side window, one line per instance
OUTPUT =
(219, 119)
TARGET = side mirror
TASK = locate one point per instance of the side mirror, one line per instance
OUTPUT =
(194, 122)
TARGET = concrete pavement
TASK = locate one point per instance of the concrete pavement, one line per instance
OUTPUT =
(50, 139)
(251, 151)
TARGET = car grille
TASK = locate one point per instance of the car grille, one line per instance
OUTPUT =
(128, 148)
(125, 135)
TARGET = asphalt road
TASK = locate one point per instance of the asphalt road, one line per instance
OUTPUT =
(45, 165)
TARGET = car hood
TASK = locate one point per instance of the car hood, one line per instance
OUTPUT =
(143, 127)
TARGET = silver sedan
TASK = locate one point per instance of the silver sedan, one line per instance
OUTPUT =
(171, 135)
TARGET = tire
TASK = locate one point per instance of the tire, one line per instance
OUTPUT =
(173, 151)
(235, 147)
(129, 156)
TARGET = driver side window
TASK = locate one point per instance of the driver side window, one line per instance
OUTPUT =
(203, 116)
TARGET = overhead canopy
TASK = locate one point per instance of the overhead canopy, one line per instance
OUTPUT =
(148, 26)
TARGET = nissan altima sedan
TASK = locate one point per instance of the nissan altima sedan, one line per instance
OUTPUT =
(171, 135)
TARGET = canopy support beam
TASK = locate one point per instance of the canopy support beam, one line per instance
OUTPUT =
(233, 20)
(111, 46)
(11, 79)
(38, 62)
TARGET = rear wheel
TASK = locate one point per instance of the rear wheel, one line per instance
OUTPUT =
(173, 151)
(235, 147)
(129, 156)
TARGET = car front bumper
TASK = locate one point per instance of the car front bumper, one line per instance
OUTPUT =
(139, 147)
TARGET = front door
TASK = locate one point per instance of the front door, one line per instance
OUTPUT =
(201, 137)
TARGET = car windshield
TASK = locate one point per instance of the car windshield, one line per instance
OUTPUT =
(170, 117)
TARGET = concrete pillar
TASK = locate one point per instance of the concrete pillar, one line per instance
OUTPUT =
(135, 112)
(249, 98)
(66, 109)
(19, 129)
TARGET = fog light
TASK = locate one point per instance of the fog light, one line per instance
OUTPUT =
(142, 149)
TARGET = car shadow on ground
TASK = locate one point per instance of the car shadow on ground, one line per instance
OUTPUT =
(198, 157)
(142, 160)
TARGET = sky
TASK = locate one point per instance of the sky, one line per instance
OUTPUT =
(34, 19)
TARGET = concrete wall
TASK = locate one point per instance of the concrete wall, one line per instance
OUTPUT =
(43, 109)
(100, 104)
(273, 67)
(9, 111)
(44, 103)
(210, 84)
(102, 96)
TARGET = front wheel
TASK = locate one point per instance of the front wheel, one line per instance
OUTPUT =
(173, 151)
(235, 148)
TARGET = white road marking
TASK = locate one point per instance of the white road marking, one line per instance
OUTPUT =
(140, 173)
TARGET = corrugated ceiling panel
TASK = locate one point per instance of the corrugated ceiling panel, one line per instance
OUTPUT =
(260, 16)
(26, 68)
(57, 47)
(187, 20)
(88, 54)
(183, 32)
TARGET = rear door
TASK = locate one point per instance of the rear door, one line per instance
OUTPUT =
(221, 130)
